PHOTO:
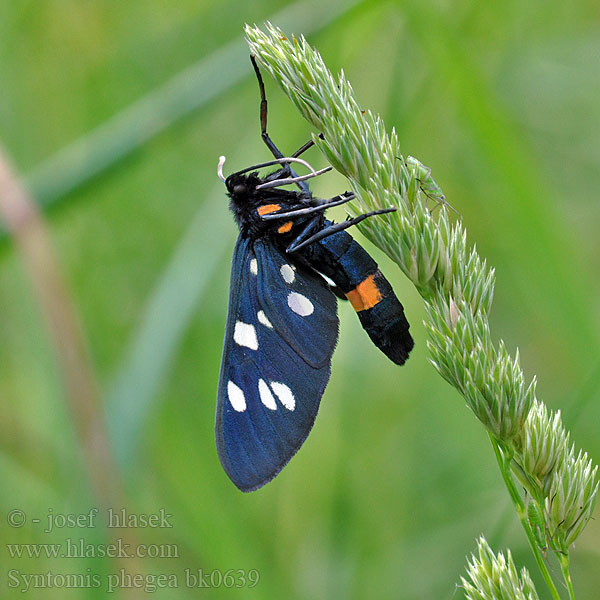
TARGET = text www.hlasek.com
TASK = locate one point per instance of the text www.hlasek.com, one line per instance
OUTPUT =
(79, 548)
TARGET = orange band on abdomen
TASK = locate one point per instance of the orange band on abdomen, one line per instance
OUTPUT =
(365, 295)
(267, 208)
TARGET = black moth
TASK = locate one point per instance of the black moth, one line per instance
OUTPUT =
(289, 264)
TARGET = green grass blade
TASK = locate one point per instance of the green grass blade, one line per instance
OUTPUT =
(525, 210)
(170, 308)
(184, 93)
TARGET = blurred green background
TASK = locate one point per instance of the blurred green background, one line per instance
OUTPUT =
(116, 114)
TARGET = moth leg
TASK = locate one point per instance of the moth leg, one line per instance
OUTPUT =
(327, 231)
(283, 172)
(263, 113)
(309, 228)
(296, 180)
(306, 146)
(263, 128)
(300, 211)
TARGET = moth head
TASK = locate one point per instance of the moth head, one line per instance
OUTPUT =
(242, 186)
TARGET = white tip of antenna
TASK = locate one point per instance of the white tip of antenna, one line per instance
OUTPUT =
(220, 168)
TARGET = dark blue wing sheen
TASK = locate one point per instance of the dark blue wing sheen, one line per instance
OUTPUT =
(281, 331)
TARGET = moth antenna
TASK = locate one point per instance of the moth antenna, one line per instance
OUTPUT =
(220, 168)
(299, 161)
(288, 180)
(276, 161)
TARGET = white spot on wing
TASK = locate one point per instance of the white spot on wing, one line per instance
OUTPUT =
(236, 397)
(262, 318)
(284, 394)
(253, 266)
(265, 395)
(300, 304)
(287, 273)
(244, 334)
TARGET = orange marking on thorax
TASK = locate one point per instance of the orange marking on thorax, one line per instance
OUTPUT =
(267, 208)
(365, 295)
(285, 227)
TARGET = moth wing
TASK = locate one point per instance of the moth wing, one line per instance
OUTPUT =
(281, 331)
